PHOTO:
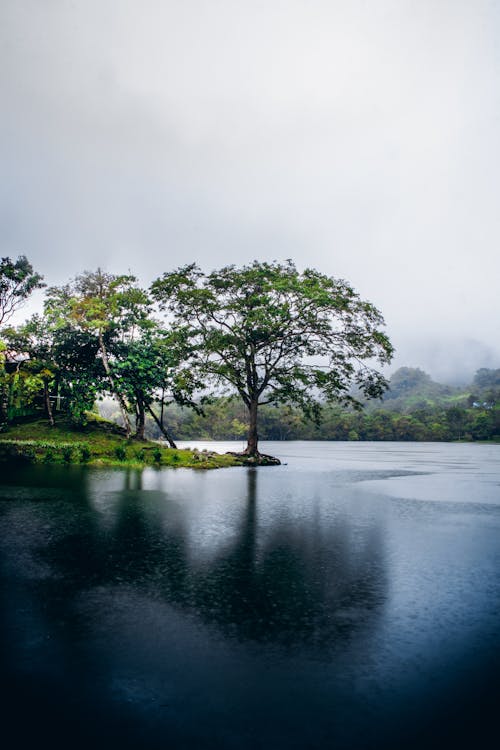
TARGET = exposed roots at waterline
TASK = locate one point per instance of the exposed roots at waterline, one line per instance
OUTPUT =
(255, 459)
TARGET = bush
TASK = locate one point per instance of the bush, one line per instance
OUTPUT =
(67, 453)
(157, 455)
(85, 454)
(121, 453)
(49, 456)
(140, 454)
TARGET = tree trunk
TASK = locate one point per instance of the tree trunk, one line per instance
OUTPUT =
(58, 394)
(162, 429)
(121, 400)
(141, 419)
(4, 391)
(252, 448)
(4, 401)
(48, 405)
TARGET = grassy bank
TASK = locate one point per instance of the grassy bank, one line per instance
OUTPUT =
(99, 443)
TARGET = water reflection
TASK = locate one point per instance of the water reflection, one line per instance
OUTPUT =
(177, 607)
(102, 587)
(296, 588)
(301, 585)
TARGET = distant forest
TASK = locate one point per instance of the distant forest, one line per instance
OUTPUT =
(414, 408)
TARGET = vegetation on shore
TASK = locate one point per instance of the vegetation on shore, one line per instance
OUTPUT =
(258, 352)
(415, 408)
(98, 443)
(266, 333)
(272, 335)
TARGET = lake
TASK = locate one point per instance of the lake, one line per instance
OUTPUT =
(349, 598)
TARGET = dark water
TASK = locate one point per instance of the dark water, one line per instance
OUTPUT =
(349, 599)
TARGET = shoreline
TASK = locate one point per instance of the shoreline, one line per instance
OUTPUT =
(131, 454)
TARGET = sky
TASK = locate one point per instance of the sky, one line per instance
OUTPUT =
(358, 137)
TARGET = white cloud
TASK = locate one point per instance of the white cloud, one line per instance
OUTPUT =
(357, 137)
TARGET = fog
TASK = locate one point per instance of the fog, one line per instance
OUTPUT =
(360, 138)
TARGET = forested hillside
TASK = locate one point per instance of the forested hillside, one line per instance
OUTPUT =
(414, 408)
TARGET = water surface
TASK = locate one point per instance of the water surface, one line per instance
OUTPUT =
(349, 598)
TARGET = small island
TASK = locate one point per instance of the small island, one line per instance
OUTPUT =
(266, 333)
(99, 443)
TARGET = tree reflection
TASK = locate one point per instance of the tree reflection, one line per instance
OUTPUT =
(296, 588)
(295, 585)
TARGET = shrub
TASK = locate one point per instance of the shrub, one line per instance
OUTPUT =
(67, 452)
(121, 453)
(157, 455)
(85, 454)
(49, 456)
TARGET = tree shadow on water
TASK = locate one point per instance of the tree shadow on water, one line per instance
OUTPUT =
(297, 586)
(303, 587)
(306, 584)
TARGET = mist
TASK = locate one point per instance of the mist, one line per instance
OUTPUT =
(361, 139)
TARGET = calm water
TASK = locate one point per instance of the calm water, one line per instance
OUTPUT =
(347, 599)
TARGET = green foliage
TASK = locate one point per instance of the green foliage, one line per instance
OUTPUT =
(257, 329)
(85, 454)
(28, 452)
(37, 442)
(283, 422)
(485, 388)
(130, 355)
(293, 345)
(49, 456)
(60, 358)
(17, 281)
(485, 378)
(411, 388)
(121, 453)
(67, 453)
(111, 311)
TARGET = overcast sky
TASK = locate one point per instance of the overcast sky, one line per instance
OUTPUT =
(361, 138)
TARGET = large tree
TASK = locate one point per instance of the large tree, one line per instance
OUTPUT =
(277, 335)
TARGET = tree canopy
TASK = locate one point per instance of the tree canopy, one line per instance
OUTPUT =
(140, 361)
(264, 340)
(277, 335)
(17, 281)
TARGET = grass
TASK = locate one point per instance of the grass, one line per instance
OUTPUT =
(99, 443)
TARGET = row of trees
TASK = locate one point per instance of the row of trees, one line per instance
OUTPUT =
(223, 419)
(96, 336)
(266, 332)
